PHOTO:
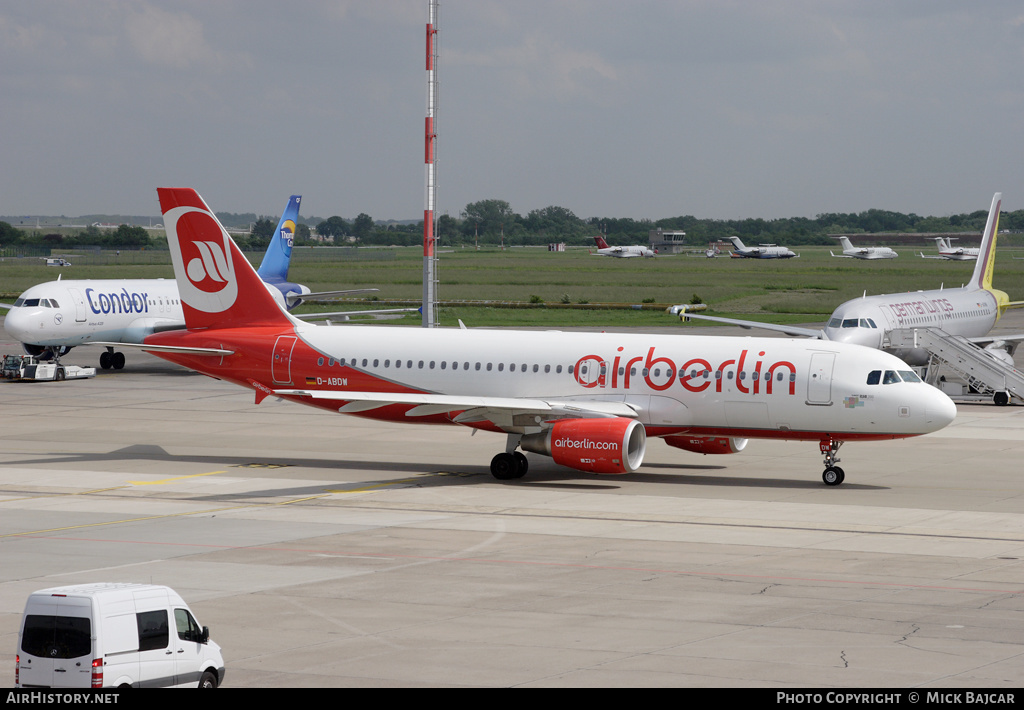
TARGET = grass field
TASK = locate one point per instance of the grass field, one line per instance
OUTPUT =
(805, 289)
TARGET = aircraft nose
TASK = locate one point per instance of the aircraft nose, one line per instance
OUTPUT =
(940, 410)
(18, 324)
(854, 336)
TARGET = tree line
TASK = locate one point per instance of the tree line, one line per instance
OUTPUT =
(493, 221)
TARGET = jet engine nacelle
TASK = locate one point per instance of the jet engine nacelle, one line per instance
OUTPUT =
(707, 444)
(998, 351)
(615, 445)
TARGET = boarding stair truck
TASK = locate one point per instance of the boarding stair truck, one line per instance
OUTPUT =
(986, 375)
(114, 635)
(31, 368)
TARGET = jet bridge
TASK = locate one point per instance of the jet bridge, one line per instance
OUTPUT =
(986, 377)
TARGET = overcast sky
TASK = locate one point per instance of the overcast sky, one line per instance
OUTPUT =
(714, 108)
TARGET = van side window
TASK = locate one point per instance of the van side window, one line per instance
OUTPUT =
(188, 629)
(153, 630)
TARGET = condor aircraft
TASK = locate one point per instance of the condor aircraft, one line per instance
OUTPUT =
(970, 311)
(58, 315)
(852, 252)
(622, 252)
(948, 251)
(588, 400)
(765, 251)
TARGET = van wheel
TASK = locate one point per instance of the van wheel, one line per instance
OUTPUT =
(208, 680)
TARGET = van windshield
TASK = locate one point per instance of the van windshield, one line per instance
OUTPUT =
(57, 636)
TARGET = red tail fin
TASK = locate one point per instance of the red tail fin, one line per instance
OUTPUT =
(601, 243)
(217, 284)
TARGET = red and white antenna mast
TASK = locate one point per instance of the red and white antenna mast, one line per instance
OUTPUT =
(429, 238)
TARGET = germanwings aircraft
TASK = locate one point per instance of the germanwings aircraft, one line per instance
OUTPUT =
(970, 311)
(58, 315)
(765, 251)
(852, 252)
(948, 251)
(588, 400)
(621, 252)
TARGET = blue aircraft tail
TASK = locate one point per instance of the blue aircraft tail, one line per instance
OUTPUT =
(274, 267)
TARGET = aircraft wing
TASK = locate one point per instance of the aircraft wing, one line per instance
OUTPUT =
(841, 256)
(326, 295)
(6, 305)
(505, 412)
(787, 329)
(1011, 342)
(329, 316)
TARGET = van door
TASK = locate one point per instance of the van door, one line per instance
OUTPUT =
(188, 649)
(156, 655)
(56, 647)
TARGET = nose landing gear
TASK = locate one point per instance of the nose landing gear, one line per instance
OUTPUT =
(833, 475)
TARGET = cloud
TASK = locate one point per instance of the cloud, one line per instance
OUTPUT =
(175, 40)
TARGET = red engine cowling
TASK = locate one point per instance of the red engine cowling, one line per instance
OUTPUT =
(707, 444)
(614, 445)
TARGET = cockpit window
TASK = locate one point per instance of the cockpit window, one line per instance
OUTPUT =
(31, 302)
(850, 323)
(909, 376)
(891, 378)
(864, 323)
(19, 303)
(872, 322)
(874, 377)
(835, 323)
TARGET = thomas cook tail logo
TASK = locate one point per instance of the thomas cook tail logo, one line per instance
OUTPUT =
(288, 234)
(201, 252)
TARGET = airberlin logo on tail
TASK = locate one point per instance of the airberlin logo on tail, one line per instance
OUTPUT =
(201, 252)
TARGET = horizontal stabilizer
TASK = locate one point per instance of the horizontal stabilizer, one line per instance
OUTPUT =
(218, 352)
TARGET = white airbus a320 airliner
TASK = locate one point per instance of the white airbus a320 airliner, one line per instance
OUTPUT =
(588, 400)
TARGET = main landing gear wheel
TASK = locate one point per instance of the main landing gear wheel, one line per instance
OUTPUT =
(833, 476)
(110, 359)
(508, 466)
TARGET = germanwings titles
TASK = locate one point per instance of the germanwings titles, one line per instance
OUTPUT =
(588, 400)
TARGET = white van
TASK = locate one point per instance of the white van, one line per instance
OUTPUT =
(113, 636)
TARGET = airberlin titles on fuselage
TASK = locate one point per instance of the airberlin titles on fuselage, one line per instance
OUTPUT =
(659, 373)
(694, 375)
